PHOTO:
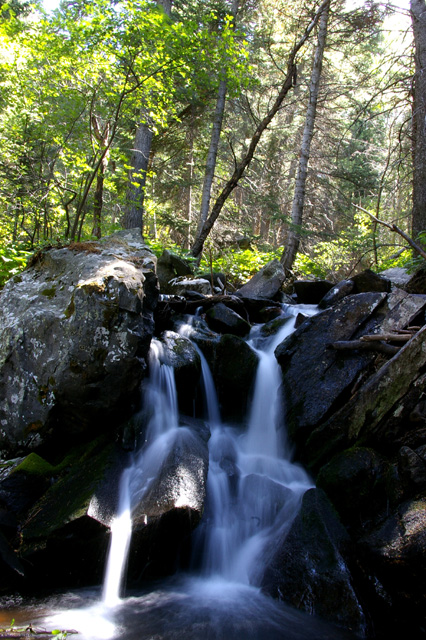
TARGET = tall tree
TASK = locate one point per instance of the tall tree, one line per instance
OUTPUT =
(214, 141)
(418, 17)
(241, 167)
(293, 237)
(133, 217)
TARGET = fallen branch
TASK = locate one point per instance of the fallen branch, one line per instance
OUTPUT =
(395, 229)
(381, 347)
(387, 337)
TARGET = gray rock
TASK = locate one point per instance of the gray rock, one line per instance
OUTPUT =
(314, 376)
(169, 267)
(266, 283)
(336, 293)
(180, 286)
(224, 320)
(370, 281)
(310, 568)
(311, 291)
(397, 275)
(360, 419)
(72, 325)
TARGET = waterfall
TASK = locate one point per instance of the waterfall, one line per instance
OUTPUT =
(253, 488)
(160, 404)
(253, 494)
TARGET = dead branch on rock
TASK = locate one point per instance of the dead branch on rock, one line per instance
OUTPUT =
(381, 347)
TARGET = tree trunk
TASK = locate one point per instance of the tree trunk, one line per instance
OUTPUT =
(214, 145)
(418, 17)
(293, 238)
(246, 160)
(133, 215)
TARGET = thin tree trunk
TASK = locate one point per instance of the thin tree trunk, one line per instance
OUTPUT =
(133, 215)
(245, 162)
(214, 145)
(418, 17)
(293, 237)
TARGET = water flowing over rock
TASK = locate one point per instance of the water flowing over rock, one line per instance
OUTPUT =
(71, 326)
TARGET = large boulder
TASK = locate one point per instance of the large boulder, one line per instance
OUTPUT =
(266, 283)
(363, 418)
(75, 330)
(222, 319)
(310, 568)
(172, 505)
(315, 376)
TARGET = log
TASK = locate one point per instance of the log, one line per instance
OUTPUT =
(381, 347)
(392, 337)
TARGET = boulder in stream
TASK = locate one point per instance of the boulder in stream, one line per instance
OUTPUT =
(310, 568)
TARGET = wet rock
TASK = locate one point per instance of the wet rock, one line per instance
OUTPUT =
(395, 552)
(417, 282)
(266, 283)
(234, 370)
(370, 281)
(255, 308)
(224, 320)
(310, 569)
(24, 482)
(311, 291)
(358, 482)
(68, 526)
(360, 420)
(412, 469)
(315, 377)
(336, 293)
(171, 507)
(71, 326)
(179, 352)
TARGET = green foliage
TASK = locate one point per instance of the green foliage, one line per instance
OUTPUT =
(13, 259)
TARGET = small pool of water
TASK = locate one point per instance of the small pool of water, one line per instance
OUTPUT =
(176, 609)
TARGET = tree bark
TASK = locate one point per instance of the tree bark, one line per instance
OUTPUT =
(133, 215)
(246, 160)
(293, 237)
(418, 17)
(214, 145)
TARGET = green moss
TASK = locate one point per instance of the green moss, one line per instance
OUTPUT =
(35, 465)
(70, 309)
(49, 293)
(69, 498)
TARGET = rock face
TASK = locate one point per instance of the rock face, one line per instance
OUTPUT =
(71, 326)
(266, 283)
(310, 568)
(354, 388)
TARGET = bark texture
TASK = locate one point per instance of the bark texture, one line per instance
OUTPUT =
(293, 238)
(418, 17)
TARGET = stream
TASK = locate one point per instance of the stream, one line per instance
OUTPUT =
(254, 492)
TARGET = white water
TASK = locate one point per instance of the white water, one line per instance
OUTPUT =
(254, 490)
(253, 494)
(160, 401)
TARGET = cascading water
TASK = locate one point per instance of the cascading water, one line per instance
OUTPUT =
(253, 494)
(160, 401)
(253, 488)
